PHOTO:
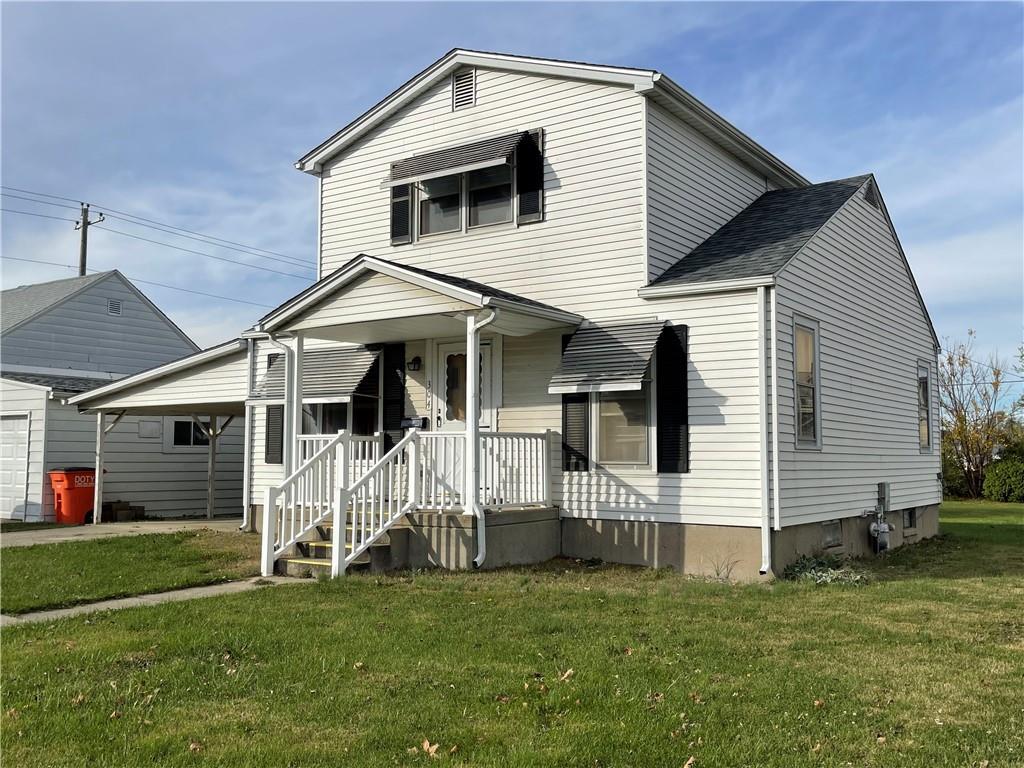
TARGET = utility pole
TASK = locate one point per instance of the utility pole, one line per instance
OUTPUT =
(83, 248)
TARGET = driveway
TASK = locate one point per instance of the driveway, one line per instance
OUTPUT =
(108, 530)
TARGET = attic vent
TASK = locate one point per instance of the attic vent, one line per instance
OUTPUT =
(463, 89)
(114, 307)
(871, 195)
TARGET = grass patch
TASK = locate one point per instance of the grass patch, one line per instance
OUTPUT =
(59, 575)
(561, 665)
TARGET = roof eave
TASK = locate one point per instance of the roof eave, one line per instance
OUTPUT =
(695, 288)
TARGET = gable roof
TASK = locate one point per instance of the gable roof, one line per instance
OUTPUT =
(456, 287)
(647, 82)
(21, 304)
(26, 301)
(762, 238)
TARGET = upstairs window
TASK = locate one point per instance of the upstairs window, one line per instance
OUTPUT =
(808, 416)
(440, 205)
(924, 409)
(489, 196)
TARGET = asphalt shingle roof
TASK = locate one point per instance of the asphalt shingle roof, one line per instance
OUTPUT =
(764, 236)
(71, 385)
(26, 301)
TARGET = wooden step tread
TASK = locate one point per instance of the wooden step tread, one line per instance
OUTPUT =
(383, 541)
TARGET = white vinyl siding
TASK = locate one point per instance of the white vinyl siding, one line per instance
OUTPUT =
(693, 188)
(17, 399)
(723, 485)
(80, 334)
(587, 254)
(872, 333)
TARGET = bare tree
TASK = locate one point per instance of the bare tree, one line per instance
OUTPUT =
(977, 409)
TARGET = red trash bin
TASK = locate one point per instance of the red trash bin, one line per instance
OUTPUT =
(73, 489)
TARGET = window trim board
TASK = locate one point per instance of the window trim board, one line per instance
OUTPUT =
(809, 324)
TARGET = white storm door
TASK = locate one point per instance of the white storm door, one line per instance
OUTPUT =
(450, 415)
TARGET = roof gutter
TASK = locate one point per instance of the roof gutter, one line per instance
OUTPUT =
(693, 289)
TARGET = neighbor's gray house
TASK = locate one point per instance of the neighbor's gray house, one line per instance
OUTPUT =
(686, 354)
(66, 337)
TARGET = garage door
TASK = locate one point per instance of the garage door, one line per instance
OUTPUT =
(13, 466)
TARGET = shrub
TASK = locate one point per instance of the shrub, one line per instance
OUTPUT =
(1004, 480)
(824, 569)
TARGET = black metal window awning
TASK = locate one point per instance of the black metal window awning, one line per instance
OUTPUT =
(326, 373)
(446, 162)
(612, 358)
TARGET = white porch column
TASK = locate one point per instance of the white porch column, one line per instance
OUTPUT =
(296, 414)
(97, 492)
(471, 480)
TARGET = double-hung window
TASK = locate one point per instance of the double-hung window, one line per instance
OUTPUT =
(924, 409)
(489, 196)
(807, 380)
(478, 199)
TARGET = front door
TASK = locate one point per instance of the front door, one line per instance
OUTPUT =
(450, 415)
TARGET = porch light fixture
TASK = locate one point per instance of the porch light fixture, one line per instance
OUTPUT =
(414, 364)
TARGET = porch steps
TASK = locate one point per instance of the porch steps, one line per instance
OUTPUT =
(313, 557)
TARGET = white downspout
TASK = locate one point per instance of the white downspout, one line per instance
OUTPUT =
(473, 327)
(762, 411)
(289, 402)
(247, 444)
(776, 500)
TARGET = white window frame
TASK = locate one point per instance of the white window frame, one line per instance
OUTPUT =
(923, 366)
(464, 227)
(801, 322)
(593, 403)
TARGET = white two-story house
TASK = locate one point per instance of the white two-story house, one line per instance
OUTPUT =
(684, 353)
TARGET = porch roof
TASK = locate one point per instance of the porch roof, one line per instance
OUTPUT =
(611, 358)
(370, 300)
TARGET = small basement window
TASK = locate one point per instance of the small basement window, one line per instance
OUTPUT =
(831, 534)
(910, 518)
(114, 307)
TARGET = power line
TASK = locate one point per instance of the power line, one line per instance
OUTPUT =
(41, 202)
(200, 253)
(147, 282)
(40, 215)
(160, 223)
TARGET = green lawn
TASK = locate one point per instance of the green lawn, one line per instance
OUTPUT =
(58, 575)
(564, 665)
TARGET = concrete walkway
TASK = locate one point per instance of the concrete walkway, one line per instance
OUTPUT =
(178, 595)
(108, 530)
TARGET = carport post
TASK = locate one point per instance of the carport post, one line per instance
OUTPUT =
(211, 470)
(97, 491)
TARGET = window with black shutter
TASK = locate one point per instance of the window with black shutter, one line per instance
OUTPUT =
(576, 432)
(401, 214)
(273, 443)
(672, 399)
(530, 177)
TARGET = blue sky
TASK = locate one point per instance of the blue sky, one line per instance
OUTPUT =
(193, 114)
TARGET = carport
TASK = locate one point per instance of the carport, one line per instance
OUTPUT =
(211, 384)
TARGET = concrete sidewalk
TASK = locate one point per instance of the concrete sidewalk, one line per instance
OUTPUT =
(178, 595)
(109, 530)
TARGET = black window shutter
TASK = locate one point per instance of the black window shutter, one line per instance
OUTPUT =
(273, 442)
(393, 360)
(673, 406)
(575, 427)
(530, 177)
(401, 214)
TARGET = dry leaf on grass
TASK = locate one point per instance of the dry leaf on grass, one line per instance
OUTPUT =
(691, 762)
(195, 747)
(430, 749)
(566, 675)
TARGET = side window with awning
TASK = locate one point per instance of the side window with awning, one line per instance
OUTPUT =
(612, 379)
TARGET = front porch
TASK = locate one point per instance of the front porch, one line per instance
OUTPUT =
(347, 494)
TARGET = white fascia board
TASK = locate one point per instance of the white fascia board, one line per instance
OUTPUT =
(556, 315)
(312, 161)
(27, 385)
(213, 353)
(607, 386)
(695, 289)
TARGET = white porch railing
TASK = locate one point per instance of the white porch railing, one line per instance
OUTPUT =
(345, 476)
